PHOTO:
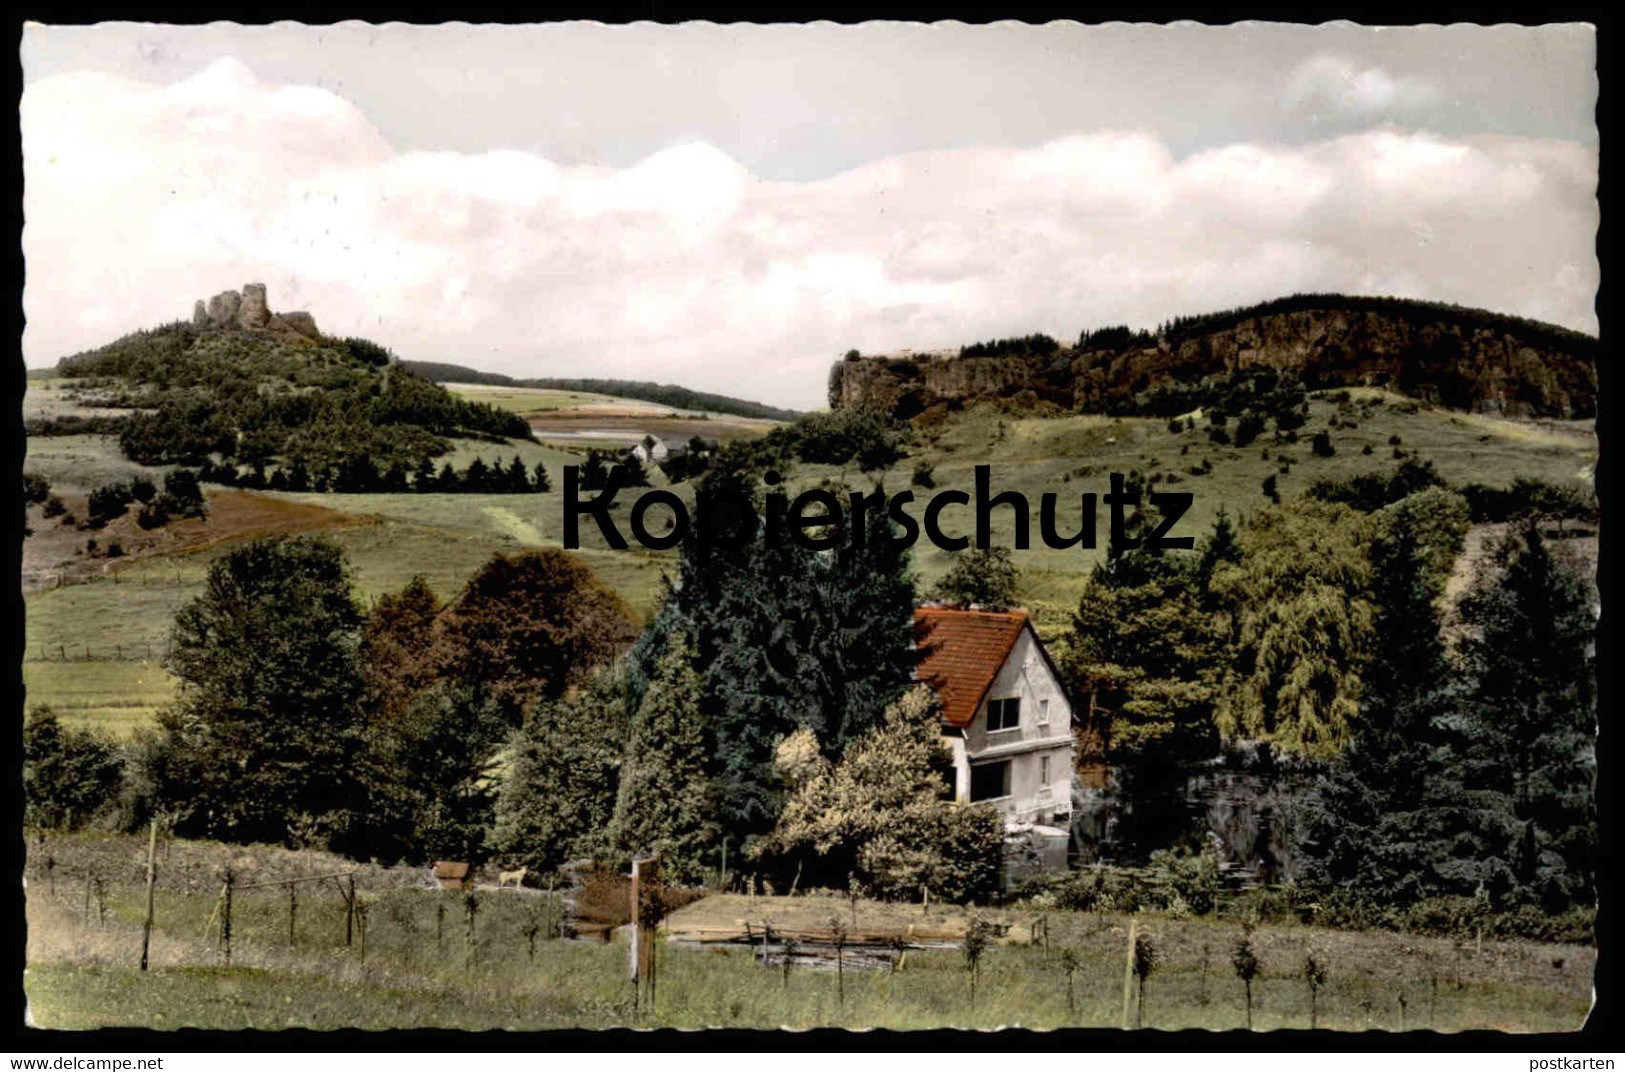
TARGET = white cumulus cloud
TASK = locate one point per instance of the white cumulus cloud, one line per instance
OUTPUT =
(686, 267)
(1331, 81)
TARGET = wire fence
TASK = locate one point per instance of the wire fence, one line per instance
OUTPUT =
(216, 916)
(140, 651)
(51, 579)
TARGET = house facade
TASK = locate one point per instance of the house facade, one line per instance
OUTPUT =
(1005, 715)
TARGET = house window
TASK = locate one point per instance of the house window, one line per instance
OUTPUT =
(1043, 771)
(990, 781)
(1043, 712)
(1003, 714)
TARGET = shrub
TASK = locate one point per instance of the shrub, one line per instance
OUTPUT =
(1538, 497)
(54, 507)
(865, 435)
(1193, 878)
(989, 579)
(68, 774)
(184, 493)
(36, 489)
(881, 815)
(107, 503)
(155, 514)
(1248, 428)
(1321, 444)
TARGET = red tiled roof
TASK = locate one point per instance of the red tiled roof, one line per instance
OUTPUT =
(964, 650)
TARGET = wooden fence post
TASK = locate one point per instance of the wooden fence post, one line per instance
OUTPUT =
(225, 914)
(349, 911)
(152, 878)
(1128, 968)
(293, 910)
(645, 921)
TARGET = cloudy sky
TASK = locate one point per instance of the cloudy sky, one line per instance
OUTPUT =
(732, 208)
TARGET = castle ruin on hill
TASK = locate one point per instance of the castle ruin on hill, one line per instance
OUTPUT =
(247, 310)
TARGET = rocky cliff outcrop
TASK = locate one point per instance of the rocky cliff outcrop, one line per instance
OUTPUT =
(248, 310)
(1458, 358)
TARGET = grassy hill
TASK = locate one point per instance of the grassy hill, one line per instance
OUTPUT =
(190, 392)
(446, 537)
(664, 394)
(1070, 455)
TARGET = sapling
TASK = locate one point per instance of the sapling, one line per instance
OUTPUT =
(529, 929)
(788, 956)
(837, 930)
(471, 906)
(1207, 951)
(1245, 961)
(1314, 973)
(1145, 962)
(1069, 964)
(975, 946)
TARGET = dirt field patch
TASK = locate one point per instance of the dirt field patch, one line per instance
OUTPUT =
(58, 554)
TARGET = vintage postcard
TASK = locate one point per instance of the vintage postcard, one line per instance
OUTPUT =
(893, 525)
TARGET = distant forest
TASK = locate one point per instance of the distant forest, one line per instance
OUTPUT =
(663, 394)
(1181, 328)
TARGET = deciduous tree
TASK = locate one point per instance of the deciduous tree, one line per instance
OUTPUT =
(883, 814)
(69, 775)
(1300, 622)
(264, 732)
(529, 625)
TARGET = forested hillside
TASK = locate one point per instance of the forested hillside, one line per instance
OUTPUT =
(186, 392)
(1459, 358)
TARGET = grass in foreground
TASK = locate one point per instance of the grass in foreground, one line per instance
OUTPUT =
(427, 964)
(582, 984)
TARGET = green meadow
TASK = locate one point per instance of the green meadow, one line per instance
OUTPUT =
(122, 620)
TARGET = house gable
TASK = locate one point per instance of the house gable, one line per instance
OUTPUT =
(964, 650)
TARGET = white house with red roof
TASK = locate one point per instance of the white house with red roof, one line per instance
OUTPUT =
(1004, 712)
